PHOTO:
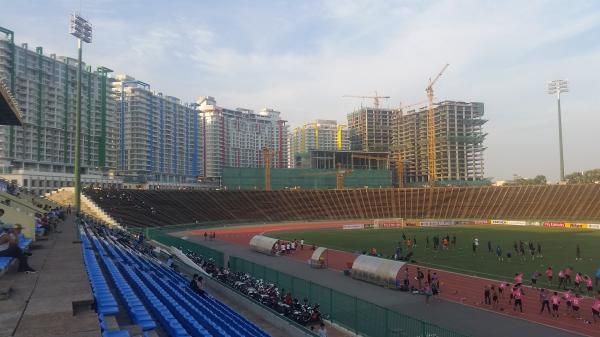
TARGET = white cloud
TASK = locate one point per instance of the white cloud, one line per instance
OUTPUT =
(302, 60)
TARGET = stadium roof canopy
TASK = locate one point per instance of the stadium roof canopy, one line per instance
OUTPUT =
(9, 112)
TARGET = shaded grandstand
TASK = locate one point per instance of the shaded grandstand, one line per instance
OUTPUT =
(159, 208)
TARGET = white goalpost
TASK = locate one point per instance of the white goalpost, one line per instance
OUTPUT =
(389, 223)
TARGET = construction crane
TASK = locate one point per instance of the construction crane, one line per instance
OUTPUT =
(375, 98)
(267, 160)
(399, 169)
(402, 108)
(431, 127)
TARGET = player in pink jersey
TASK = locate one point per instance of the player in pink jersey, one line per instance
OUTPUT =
(575, 303)
(578, 280)
(555, 304)
(518, 278)
(518, 297)
(588, 284)
(596, 308)
(549, 275)
(568, 297)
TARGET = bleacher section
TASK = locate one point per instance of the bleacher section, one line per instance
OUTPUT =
(159, 208)
(155, 298)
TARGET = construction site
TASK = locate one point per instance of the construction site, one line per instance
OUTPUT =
(458, 128)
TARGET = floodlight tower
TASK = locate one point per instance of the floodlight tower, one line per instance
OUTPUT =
(557, 87)
(82, 30)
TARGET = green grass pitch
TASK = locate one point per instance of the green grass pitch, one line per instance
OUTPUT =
(558, 247)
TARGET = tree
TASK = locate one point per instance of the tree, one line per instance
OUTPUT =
(587, 177)
(537, 180)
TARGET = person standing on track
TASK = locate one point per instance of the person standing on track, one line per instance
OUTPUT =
(575, 305)
(596, 308)
(518, 279)
(453, 240)
(577, 253)
(490, 247)
(487, 295)
(301, 244)
(568, 297)
(588, 284)
(539, 250)
(494, 297)
(518, 296)
(544, 301)
(555, 304)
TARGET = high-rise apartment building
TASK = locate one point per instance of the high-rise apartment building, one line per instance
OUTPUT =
(321, 135)
(159, 136)
(459, 142)
(236, 138)
(40, 155)
(370, 129)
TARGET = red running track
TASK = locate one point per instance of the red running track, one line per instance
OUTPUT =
(460, 288)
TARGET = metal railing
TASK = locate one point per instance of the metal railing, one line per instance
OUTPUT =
(357, 315)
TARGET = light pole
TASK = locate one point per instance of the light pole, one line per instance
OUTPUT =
(82, 30)
(556, 87)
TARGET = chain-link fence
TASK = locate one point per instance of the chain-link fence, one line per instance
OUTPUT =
(185, 245)
(354, 314)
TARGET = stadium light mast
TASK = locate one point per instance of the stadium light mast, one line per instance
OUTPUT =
(82, 30)
(557, 87)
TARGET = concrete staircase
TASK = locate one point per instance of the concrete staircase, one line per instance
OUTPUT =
(66, 196)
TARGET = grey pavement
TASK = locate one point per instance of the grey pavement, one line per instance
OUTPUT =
(55, 301)
(461, 318)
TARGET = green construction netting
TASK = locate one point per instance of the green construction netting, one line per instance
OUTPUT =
(253, 178)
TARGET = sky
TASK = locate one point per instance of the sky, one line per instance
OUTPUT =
(301, 57)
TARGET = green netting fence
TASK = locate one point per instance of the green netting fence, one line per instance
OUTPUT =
(357, 315)
(185, 245)
(254, 178)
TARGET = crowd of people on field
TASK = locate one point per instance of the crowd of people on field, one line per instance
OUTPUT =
(283, 247)
(550, 301)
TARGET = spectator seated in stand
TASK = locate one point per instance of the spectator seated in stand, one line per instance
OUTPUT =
(12, 245)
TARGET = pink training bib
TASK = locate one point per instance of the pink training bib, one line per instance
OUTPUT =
(555, 300)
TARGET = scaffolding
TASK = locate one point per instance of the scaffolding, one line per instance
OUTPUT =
(459, 137)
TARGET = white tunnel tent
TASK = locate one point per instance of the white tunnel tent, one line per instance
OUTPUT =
(319, 258)
(376, 270)
(263, 244)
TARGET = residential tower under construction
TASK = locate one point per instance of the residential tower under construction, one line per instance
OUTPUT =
(459, 140)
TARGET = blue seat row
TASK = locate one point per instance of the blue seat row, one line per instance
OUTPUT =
(165, 316)
(137, 311)
(166, 294)
(105, 301)
(114, 333)
(202, 313)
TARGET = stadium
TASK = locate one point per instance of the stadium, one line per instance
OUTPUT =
(239, 173)
(350, 224)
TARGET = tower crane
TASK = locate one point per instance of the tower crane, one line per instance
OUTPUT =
(431, 127)
(267, 160)
(375, 99)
